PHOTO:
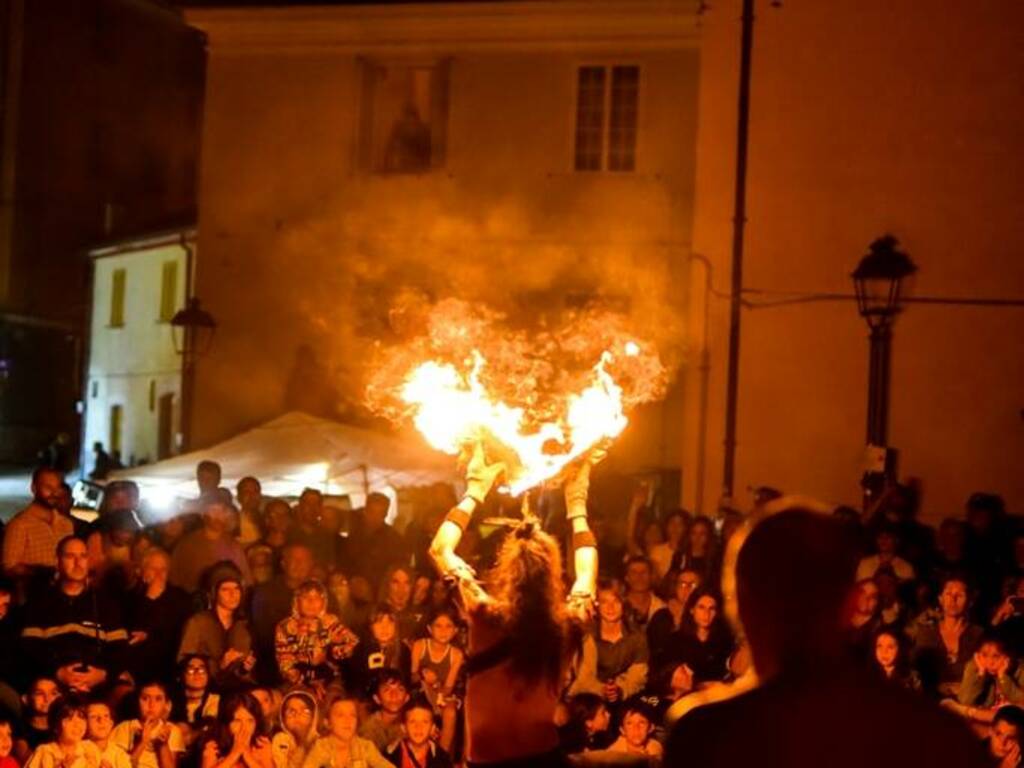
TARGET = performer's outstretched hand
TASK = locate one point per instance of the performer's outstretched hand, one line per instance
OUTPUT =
(577, 481)
(481, 476)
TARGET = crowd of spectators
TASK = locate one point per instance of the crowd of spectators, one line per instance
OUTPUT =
(247, 631)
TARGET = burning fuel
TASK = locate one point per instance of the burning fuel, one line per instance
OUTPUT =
(537, 399)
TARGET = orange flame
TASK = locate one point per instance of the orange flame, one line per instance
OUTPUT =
(538, 394)
(451, 409)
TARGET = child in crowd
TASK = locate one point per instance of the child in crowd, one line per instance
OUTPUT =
(239, 736)
(891, 659)
(382, 649)
(384, 726)
(270, 702)
(311, 643)
(636, 730)
(150, 740)
(196, 703)
(992, 678)
(99, 726)
(417, 747)
(587, 729)
(1005, 735)
(436, 663)
(352, 613)
(69, 749)
(298, 730)
(7, 744)
(342, 748)
(36, 726)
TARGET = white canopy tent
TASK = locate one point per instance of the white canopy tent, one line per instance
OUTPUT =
(295, 451)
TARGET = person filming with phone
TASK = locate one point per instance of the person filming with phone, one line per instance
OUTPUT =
(71, 630)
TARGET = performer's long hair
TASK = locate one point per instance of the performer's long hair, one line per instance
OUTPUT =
(529, 602)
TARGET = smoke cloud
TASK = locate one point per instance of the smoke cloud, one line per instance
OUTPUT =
(400, 267)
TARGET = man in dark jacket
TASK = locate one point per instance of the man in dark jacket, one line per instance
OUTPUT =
(71, 630)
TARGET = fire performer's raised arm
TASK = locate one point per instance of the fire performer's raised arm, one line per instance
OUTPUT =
(584, 543)
(480, 477)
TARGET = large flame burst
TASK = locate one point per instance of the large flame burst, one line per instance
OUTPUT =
(537, 400)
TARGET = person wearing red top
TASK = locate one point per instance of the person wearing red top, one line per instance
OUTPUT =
(7, 744)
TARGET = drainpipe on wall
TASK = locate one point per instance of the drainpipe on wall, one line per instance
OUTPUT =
(182, 436)
(704, 367)
(739, 221)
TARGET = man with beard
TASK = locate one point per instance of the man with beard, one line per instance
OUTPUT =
(31, 538)
(71, 631)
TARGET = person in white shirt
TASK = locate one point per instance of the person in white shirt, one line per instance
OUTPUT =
(151, 741)
(69, 749)
(675, 527)
(886, 541)
(99, 726)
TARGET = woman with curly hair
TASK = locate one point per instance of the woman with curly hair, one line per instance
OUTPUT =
(518, 624)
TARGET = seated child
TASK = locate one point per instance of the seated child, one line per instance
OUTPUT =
(381, 649)
(239, 737)
(69, 749)
(587, 728)
(150, 740)
(341, 748)
(417, 747)
(991, 679)
(99, 726)
(1005, 735)
(311, 643)
(384, 726)
(636, 730)
(36, 706)
(298, 730)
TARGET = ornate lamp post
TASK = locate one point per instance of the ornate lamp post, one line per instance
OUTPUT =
(878, 282)
(192, 329)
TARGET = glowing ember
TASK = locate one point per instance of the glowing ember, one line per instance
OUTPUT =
(451, 409)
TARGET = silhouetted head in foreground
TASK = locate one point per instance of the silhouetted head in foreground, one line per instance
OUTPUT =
(813, 706)
(794, 574)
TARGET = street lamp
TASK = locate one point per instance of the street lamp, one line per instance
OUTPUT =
(878, 281)
(192, 330)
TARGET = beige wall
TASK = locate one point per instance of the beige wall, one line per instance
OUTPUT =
(298, 246)
(869, 117)
(124, 362)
